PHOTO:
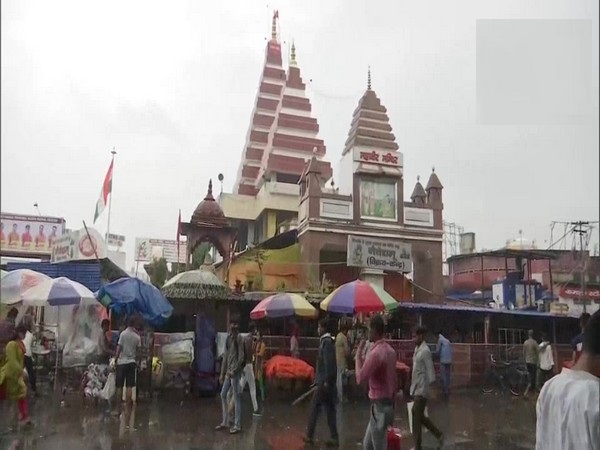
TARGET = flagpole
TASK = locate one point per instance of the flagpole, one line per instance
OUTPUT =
(113, 153)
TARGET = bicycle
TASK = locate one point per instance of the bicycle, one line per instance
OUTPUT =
(506, 374)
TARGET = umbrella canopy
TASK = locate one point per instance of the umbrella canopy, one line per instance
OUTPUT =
(132, 295)
(16, 282)
(196, 285)
(57, 292)
(358, 297)
(2, 273)
(284, 305)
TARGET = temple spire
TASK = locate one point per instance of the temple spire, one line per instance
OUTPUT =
(274, 25)
(293, 55)
(369, 79)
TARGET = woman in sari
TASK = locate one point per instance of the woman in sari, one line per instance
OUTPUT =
(12, 377)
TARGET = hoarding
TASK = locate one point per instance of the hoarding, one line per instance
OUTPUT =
(144, 249)
(23, 235)
(115, 240)
(78, 246)
(381, 254)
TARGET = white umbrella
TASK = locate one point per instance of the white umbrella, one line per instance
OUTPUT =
(16, 282)
(58, 292)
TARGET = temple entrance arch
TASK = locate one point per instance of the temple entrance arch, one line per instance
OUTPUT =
(208, 224)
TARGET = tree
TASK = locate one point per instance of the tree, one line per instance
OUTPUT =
(199, 254)
(158, 272)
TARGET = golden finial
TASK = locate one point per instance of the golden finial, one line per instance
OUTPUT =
(274, 25)
(293, 54)
(369, 79)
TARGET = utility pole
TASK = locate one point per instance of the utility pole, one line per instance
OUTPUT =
(581, 228)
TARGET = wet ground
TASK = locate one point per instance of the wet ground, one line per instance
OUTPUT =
(470, 420)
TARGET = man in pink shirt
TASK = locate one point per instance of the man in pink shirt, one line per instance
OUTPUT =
(379, 368)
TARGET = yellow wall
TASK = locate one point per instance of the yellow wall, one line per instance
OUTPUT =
(271, 224)
(279, 266)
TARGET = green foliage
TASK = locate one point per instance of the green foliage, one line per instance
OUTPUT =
(199, 255)
(158, 271)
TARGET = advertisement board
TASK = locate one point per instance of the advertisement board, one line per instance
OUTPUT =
(23, 235)
(381, 254)
(144, 252)
(115, 240)
(78, 246)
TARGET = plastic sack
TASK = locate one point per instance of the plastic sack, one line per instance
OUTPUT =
(409, 407)
(109, 387)
(180, 352)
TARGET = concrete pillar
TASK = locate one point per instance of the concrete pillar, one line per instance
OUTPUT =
(250, 234)
(372, 276)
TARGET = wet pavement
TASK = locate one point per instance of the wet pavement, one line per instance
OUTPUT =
(470, 420)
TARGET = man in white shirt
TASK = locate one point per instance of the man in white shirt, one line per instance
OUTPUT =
(546, 360)
(568, 408)
(127, 347)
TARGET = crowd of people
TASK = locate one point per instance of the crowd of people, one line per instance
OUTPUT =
(567, 407)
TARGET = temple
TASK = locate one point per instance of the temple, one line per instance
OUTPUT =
(318, 234)
(281, 138)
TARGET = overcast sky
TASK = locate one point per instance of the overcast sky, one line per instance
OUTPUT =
(171, 85)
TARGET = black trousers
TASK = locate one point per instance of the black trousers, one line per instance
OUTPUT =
(323, 399)
(30, 372)
(420, 420)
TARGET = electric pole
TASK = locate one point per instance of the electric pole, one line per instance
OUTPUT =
(582, 228)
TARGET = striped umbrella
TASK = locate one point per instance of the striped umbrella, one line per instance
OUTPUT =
(16, 282)
(358, 297)
(284, 305)
(57, 292)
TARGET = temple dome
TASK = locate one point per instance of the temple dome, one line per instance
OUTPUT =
(208, 211)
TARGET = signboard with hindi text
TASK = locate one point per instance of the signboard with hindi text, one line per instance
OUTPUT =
(79, 245)
(23, 235)
(115, 240)
(144, 249)
(381, 254)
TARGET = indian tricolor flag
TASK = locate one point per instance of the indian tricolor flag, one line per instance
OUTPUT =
(106, 189)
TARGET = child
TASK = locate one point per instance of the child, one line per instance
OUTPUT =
(12, 374)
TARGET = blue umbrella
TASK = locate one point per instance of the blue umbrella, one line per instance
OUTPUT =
(132, 295)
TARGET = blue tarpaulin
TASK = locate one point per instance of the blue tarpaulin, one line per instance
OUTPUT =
(132, 295)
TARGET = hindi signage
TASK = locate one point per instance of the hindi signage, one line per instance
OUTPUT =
(78, 246)
(23, 235)
(144, 252)
(116, 240)
(383, 157)
(381, 254)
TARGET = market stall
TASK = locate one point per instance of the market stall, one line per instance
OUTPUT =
(194, 295)
(82, 317)
(127, 297)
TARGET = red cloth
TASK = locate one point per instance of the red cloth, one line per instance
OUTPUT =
(393, 439)
(286, 367)
(23, 411)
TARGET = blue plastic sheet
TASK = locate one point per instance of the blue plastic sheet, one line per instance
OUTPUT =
(132, 295)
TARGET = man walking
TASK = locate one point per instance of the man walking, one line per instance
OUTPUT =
(231, 372)
(129, 342)
(546, 360)
(444, 351)
(422, 376)
(325, 395)
(531, 354)
(248, 372)
(342, 351)
(379, 369)
(568, 408)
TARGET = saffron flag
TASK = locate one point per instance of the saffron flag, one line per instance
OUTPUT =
(106, 189)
